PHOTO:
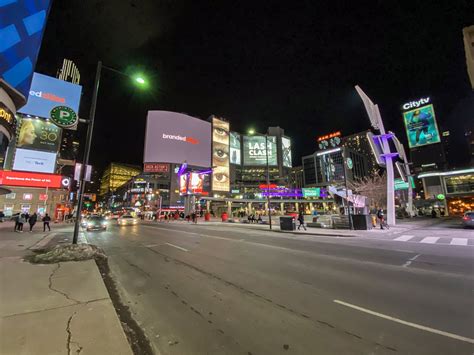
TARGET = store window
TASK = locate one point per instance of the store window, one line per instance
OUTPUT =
(8, 210)
(41, 210)
(25, 208)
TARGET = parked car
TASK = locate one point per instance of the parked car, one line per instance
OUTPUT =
(127, 220)
(96, 223)
(468, 219)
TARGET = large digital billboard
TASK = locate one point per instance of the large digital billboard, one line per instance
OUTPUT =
(22, 23)
(47, 93)
(220, 155)
(255, 152)
(38, 134)
(34, 161)
(16, 178)
(421, 127)
(173, 137)
(235, 150)
(286, 152)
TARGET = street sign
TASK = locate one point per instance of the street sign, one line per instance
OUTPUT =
(349, 163)
(311, 192)
(64, 117)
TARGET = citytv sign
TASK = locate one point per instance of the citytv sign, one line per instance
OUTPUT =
(47, 93)
(415, 104)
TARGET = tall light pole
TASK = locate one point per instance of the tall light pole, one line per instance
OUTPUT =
(90, 128)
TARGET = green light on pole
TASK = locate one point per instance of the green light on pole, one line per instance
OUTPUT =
(251, 131)
(140, 80)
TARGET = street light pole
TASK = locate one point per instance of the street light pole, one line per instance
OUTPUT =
(268, 183)
(90, 129)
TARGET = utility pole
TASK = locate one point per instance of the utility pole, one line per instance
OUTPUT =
(268, 183)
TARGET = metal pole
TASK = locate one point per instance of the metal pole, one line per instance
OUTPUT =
(268, 183)
(344, 163)
(90, 129)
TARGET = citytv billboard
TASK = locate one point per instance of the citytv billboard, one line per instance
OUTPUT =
(34, 161)
(421, 127)
(255, 151)
(22, 23)
(220, 155)
(173, 137)
(47, 93)
(38, 134)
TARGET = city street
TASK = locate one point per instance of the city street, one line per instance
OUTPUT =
(224, 289)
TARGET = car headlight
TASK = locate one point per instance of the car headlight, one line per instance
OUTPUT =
(90, 224)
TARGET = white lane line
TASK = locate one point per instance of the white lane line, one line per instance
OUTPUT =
(176, 246)
(410, 324)
(404, 238)
(459, 241)
(429, 240)
(151, 245)
(409, 261)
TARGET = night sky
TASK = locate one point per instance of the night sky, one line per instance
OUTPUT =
(264, 63)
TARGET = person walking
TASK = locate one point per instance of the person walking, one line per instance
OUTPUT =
(32, 221)
(194, 217)
(380, 216)
(46, 220)
(16, 219)
(21, 221)
(301, 220)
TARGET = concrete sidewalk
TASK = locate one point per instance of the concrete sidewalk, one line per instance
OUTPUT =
(61, 308)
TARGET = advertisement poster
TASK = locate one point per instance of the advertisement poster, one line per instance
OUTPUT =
(196, 183)
(421, 126)
(255, 152)
(47, 92)
(286, 152)
(38, 134)
(183, 184)
(34, 161)
(220, 155)
(17, 178)
(235, 150)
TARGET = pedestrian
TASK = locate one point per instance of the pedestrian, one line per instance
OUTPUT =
(380, 216)
(433, 213)
(32, 221)
(194, 217)
(46, 220)
(301, 220)
(21, 221)
(259, 219)
(15, 219)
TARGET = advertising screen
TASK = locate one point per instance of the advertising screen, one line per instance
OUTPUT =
(34, 161)
(22, 23)
(16, 178)
(47, 93)
(38, 134)
(255, 152)
(220, 155)
(174, 138)
(235, 150)
(183, 184)
(286, 152)
(196, 183)
(421, 126)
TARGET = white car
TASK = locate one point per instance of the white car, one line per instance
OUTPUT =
(127, 220)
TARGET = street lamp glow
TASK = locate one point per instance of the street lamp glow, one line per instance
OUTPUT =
(140, 80)
(251, 131)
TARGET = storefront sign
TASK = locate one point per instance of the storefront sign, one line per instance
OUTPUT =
(64, 117)
(43, 197)
(156, 168)
(15, 178)
(311, 192)
(7, 119)
(27, 197)
(329, 136)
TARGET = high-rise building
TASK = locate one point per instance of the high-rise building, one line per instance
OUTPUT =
(69, 72)
(468, 36)
(116, 175)
(359, 143)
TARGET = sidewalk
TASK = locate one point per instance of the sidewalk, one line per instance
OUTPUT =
(61, 308)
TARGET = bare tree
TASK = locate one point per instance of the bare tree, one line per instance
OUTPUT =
(374, 187)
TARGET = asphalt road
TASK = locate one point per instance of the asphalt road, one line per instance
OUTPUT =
(230, 290)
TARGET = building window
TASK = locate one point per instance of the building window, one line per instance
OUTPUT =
(10, 196)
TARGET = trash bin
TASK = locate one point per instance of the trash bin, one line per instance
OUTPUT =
(224, 217)
(207, 216)
(361, 222)
(287, 223)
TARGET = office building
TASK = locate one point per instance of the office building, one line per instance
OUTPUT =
(116, 175)
(468, 37)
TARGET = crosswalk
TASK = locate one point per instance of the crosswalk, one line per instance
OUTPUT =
(435, 240)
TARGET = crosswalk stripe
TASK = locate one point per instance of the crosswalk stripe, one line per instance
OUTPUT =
(459, 241)
(429, 240)
(404, 238)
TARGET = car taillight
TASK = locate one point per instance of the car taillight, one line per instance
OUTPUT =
(466, 218)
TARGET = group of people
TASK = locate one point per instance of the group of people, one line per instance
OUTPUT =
(251, 218)
(23, 218)
(169, 216)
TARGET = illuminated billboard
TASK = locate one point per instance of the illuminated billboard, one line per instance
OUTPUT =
(196, 183)
(286, 152)
(174, 138)
(16, 178)
(220, 155)
(235, 150)
(38, 134)
(22, 23)
(255, 152)
(421, 127)
(47, 92)
(34, 161)
(183, 184)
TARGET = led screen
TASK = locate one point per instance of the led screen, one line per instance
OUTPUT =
(34, 161)
(235, 150)
(286, 152)
(255, 152)
(196, 183)
(47, 93)
(421, 127)
(172, 137)
(38, 134)
(220, 155)
(17, 178)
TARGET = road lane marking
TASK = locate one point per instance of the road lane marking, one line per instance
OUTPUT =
(176, 246)
(410, 324)
(409, 261)
(429, 240)
(404, 238)
(459, 241)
